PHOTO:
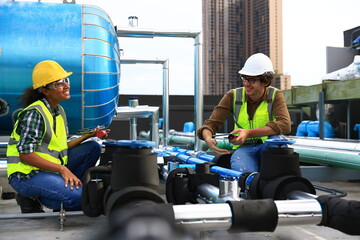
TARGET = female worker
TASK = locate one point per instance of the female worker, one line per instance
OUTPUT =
(41, 164)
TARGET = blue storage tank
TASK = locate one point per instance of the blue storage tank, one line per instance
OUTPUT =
(81, 38)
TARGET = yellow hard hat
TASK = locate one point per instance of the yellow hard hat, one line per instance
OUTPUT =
(46, 72)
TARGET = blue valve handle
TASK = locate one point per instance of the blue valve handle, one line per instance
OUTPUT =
(280, 141)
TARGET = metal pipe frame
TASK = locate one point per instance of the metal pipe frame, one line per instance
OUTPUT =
(348, 119)
(198, 75)
(141, 111)
(133, 121)
(165, 98)
(39, 215)
(151, 33)
(321, 114)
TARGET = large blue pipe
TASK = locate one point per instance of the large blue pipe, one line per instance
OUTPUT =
(81, 38)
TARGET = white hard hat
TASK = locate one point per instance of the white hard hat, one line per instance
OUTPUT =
(257, 64)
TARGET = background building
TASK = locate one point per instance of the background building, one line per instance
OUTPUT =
(282, 82)
(234, 30)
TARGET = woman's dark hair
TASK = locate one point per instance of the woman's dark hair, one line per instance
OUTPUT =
(30, 95)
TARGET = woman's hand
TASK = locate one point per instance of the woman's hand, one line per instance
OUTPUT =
(70, 178)
(97, 132)
(39, 162)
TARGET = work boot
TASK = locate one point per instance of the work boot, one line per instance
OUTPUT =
(28, 205)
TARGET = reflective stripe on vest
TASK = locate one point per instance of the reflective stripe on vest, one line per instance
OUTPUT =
(263, 114)
(53, 146)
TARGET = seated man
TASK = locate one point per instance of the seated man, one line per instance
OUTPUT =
(259, 111)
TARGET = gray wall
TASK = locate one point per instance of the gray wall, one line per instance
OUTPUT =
(181, 110)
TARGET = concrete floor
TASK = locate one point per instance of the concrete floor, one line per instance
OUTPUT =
(83, 227)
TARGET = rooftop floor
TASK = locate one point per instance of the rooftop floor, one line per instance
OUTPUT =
(83, 227)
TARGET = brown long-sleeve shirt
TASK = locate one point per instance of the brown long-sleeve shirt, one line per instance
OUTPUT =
(224, 109)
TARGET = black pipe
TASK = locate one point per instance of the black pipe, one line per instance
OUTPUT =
(97, 180)
(253, 216)
(340, 214)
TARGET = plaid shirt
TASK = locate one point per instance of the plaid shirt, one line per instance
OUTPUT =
(31, 128)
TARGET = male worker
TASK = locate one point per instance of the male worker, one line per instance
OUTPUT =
(259, 112)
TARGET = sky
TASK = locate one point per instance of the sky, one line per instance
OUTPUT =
(309, 26)
(184, 15)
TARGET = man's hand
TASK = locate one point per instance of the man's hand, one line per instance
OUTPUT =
(240, 135)
(211, 143)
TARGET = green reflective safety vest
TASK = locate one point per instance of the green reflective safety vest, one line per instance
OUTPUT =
(263, 114)
(53, 146)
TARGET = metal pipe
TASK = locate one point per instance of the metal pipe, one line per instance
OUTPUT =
(305, 210)
(211, 194)
(198, 76)
(39, 215)
(154, 127)
(348, 145)
(348, 119)
(165, 102)
(298, 212)
(165, 98)
(190, 140)
(133, 102)
(299, 195)
(332, 157)
(321, 114)
(203, 217)
(133, 129)
(198, 94)
(148, 33)
(291, 212)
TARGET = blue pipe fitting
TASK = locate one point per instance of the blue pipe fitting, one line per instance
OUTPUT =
(226, 172)
(193, 166)
(357, 128)
(311, 129)
(206, 157)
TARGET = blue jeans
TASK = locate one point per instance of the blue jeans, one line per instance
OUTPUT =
(49, 187)
(247, 158)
